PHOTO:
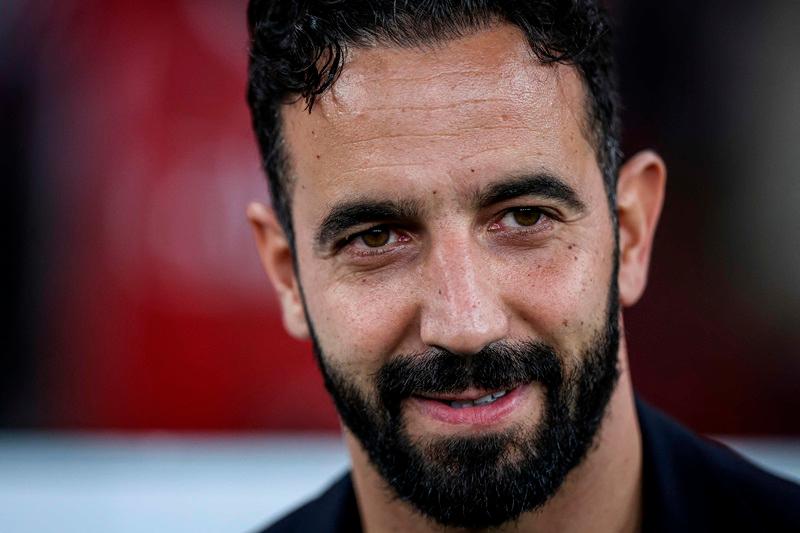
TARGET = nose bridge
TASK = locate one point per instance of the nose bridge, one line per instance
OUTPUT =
(463, 309)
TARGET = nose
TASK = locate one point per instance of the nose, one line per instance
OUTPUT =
(462, 309)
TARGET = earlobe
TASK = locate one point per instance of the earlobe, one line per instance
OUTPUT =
(276, 258)
(640, 195)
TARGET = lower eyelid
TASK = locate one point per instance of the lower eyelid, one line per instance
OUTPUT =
(366, 252)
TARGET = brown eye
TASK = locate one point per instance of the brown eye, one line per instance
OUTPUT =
(526, 216)
(376, 237)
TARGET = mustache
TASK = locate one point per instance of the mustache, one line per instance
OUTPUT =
(500, 365)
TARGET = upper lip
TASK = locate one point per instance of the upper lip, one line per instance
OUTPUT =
(466, 395)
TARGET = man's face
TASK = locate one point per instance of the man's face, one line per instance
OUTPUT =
(453, 240)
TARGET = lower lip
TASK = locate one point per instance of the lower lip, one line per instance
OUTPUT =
(476, 415)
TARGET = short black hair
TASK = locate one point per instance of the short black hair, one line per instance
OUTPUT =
(298, 49)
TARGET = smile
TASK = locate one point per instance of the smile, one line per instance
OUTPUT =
(472, 407)
(464, 400)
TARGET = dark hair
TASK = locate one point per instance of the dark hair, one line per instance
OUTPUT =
(298, 49)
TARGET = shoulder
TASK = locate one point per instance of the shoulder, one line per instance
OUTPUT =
(696, 484)
(334, 510)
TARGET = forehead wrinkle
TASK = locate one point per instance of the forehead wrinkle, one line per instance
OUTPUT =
(479, 73)
(462, 132)
(392, 139)
(450, 120)
(346, 91)
(507, 90)
(436, 115)
(358, 152)
(429, 107)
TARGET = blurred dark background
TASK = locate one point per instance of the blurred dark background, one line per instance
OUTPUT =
(134, 295)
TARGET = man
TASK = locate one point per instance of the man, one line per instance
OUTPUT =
(452, 228)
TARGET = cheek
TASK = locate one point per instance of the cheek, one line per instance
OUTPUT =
(362, 322)
(560, 296)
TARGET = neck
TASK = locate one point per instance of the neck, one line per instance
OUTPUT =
(601, 494)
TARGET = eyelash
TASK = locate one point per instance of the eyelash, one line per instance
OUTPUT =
(402, 236)
(399, 235)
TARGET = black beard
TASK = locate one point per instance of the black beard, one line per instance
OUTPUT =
(486, 480)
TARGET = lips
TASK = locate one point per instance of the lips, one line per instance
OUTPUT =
(472, 407)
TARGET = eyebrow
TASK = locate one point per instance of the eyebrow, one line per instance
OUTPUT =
(542, 184)
(352, 213)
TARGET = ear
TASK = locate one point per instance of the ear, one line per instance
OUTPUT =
(640, 194)
(276, 257)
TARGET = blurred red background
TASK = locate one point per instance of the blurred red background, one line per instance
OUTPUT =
(137, 295)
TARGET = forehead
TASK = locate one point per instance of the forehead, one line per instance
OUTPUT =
(474, 104)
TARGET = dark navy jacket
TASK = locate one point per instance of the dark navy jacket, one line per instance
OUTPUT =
(690, 484)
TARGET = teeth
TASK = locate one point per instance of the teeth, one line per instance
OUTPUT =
(484, 400)
(489, 398)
